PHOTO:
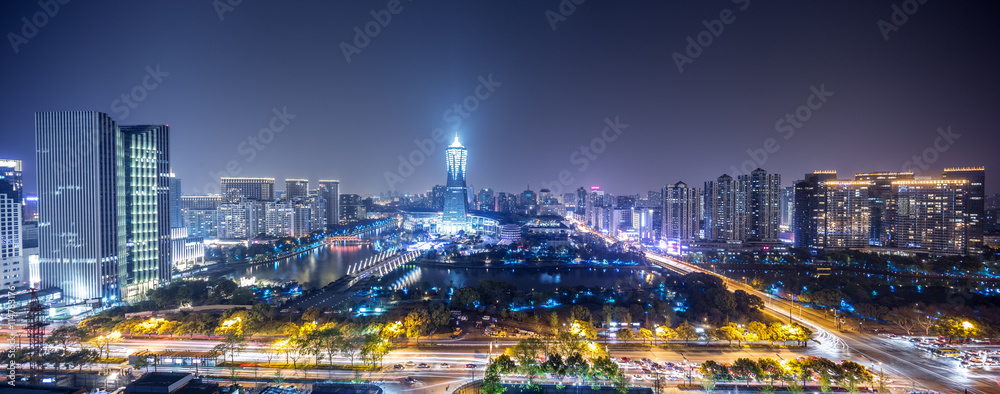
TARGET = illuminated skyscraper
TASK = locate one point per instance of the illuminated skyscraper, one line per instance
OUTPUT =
(104, 224)
(456, 198)
(145, 172)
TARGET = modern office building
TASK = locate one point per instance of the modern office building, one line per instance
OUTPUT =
(176, 217)
(104, 223)
(848, 214)
(456, 210)
(295, 188)
(12, 259)
(975, 203)
(760, 193)
(145, 170)
(330, 191)
(681, 213)
(235, 189)
(809, 216)
(723, 210)
(931, 215)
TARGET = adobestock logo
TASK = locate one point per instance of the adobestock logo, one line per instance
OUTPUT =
(787, 125)
(898, 17)
(249, 147)
(29, 27)
(585, 154)
(453, 117)
(129, 101)
(713, 29)
(363, 37)
(942, 142)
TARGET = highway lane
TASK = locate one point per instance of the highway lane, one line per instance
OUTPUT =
(927, 371)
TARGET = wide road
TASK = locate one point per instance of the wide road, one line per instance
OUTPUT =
(437, 378)
(896, 357)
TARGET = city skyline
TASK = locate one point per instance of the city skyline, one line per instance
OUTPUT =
(866, 99)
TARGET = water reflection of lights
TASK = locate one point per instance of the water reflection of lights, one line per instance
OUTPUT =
(409, 279)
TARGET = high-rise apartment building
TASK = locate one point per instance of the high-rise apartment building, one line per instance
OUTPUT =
(681, 213)
(235, 189)
(330, 191)
(455, 217)
(975, 203)
(202, 223)
(723, 210)
(351, 208)
(848, 214)
(931, 214)
(882, 205)
(760, 194)
(809, 216)
(241, 220)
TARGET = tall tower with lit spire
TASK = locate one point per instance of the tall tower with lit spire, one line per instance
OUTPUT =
(455, 217)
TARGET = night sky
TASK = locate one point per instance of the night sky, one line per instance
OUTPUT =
(224, 77)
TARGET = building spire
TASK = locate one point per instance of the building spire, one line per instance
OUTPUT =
(456, 144)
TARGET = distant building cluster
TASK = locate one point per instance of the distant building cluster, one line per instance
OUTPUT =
(250, 208)
(892, 211)
(109, 221)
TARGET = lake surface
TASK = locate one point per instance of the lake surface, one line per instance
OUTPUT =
(526, 278)
(313, 269)
(319, 267)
